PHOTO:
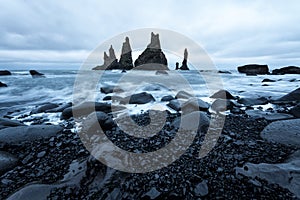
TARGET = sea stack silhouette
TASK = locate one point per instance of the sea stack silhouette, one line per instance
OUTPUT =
(152, 58)
(184, 62)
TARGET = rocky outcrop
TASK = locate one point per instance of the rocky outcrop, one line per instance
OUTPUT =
(152, 57)
(126, 56)
(36, 74)
(2, 84)
(286, 70)
(4, 72)
(184, 62)
(110, 61)
(292, 96)
(253, 69)
(222, 94)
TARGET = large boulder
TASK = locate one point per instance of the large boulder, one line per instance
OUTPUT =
(221, 105)
(5, 73)
(292, 96)
(296, 111)
(10, 123)
(139, 98)
(44, 108)
(21, 134)
(287, 70)
(7, 161)
(194, 104)
(94, 119)
(60, 108)
(110, 89)
(254, 69)
(197, 120)
(2, 84)
(183, 95)
(175, 104)
(254, 101)
(36, 74)
(126, 57)
(222, 94)
(86, 108)
(285, 132)
(271, 116)
(152, 58)
(286, 175)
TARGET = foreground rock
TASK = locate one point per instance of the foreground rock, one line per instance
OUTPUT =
(189, 121)
(139, 98)
(296, 111)
(86, 108)
(254, 101)
(292, 96)
(222, 94)
(152, 57)
(284, 132)
(287, 175)
(44, 108)
(194, 104)
(287, 70)
(23, 134)
(221, 105)
(110, 89)
(271, 116)
(93, 120)
(2, 84)
(36, 74)
(7, 161)
(253, 69)
(5, 73)
(9, 123)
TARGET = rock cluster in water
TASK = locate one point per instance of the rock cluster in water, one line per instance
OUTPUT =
(152, 58)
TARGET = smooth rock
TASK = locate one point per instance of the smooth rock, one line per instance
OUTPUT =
(175, 104)
(89, 107)
(221, 105)
(222, 94)
(167, 98)
(110, 89)
(284, 132)
(192, 121)
(286, 70)
(7, 161)
(286, 175)
(36, 74)
(5, 73)
(271, 116)
(161, 72)
(194, 104)
(139, 98)
(2, 84)
(292, 96)
(44, 108)
(267, 80)
(183, 95)
(93, 120)
(60, 108)
(254, 101)
(9, 122)
(296, 111)
(254, 69)
(20, 134)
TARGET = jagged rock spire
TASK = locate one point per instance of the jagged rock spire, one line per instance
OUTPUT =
(155, 43)
(184, 62)
(112, 55)
(126, 57)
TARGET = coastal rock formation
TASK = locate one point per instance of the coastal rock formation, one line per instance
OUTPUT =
(4, 72)
(253, 69)
(126, 57)
(2, 84)
(139, 98)
(110, 61)
(36, 74)
(184, 62)
(222, 94)
(292, 96)
(286, 70)
(152, 57)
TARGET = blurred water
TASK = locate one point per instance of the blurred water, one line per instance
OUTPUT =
(25, 92)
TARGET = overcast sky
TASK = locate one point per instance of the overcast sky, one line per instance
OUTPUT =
(63, 33)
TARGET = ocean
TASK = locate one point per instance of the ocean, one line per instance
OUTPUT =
(25, 93)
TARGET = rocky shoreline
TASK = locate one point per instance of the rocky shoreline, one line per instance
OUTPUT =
(43, 160)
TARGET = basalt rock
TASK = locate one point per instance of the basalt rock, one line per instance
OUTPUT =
(36, 74)
(4, 72)
(152, 57)
(110, 62)
(2, 84)
(287, 70)
(254, 69)
(184, 62)
(126, 57)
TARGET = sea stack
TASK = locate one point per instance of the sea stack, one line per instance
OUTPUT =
(110, 61)
(125, 62)
(152, 57)
(184, 62)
